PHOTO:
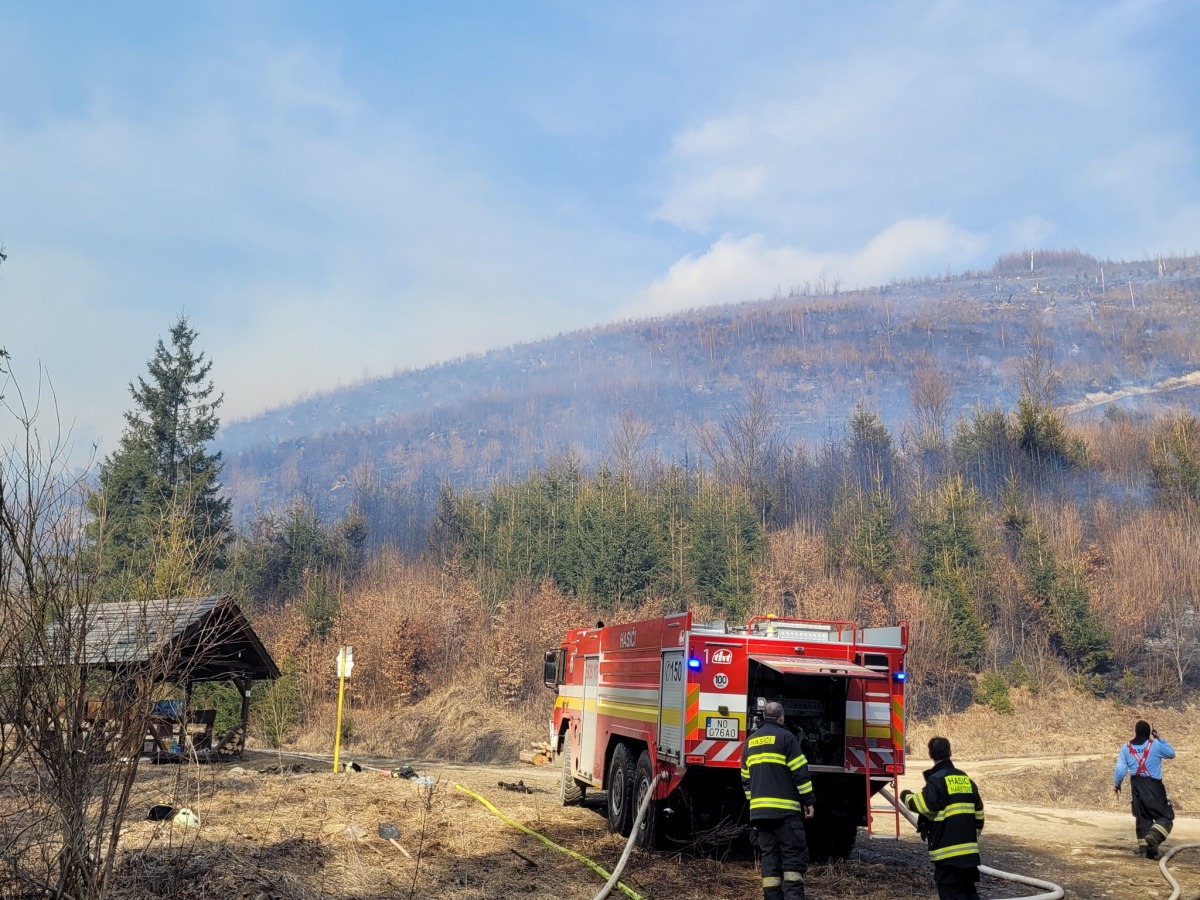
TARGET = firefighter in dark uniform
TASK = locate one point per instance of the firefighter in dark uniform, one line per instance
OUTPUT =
(951, 817)
(1153, 814)
(779, 788)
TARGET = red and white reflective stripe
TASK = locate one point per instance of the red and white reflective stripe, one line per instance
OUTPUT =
(717, 751)
(730, 748)
(880, 757)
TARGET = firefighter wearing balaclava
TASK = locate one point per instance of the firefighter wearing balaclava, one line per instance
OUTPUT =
(1142, 759)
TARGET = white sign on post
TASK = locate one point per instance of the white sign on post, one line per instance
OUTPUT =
(345, 662)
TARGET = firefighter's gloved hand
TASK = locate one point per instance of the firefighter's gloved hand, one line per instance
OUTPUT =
(904, 795)
(753, 837)
(924, 827)
(1117, 789)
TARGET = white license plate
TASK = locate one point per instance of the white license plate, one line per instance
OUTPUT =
(721, 729)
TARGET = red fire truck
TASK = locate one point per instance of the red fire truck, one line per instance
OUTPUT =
(675, 696)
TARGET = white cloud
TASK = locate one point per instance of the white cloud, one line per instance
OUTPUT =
(736, 269)
(986, 114)
(695, 204)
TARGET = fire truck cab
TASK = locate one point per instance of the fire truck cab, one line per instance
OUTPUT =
(674, 696)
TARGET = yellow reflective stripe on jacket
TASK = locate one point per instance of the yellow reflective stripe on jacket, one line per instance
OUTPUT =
(797, 762)
(957, 809)
(916, 802)
(805, 788)
(777, 758)
(953, 850)
(774, 803)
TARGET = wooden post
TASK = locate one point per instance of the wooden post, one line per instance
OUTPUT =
(243, 686)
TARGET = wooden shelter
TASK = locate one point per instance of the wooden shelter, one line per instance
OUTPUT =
(180, 641)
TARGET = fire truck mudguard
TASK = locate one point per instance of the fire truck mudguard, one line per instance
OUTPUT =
(678, 698)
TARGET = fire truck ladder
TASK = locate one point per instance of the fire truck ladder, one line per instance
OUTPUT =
(881, 830)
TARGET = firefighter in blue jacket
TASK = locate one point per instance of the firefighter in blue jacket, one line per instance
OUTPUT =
(951, 817)
(1153, 814)
(779, 788)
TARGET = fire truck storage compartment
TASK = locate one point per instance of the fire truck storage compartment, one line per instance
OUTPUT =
(813, 693)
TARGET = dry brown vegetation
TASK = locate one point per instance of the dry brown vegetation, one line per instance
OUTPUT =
(1084, 732)
(313, 833)
(316, 834)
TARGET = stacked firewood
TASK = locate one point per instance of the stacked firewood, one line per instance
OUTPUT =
(539, 754)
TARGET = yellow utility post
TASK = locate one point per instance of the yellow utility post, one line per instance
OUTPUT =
(345, 663)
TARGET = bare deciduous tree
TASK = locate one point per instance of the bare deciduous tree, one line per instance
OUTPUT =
(1039, 377)
(78, 682)
(627, 443)
(746, 446)
(930, 395)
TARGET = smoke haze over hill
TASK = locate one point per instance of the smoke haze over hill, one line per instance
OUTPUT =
(816, 353)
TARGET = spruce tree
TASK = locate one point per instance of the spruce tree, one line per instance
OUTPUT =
(162, 480)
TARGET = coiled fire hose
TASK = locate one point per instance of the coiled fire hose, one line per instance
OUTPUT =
(1050, 891)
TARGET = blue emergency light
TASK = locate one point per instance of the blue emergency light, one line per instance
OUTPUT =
(900, 676)
(694, 663)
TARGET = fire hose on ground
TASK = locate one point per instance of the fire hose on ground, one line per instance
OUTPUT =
(1162, 865)
(1050, 891)
(614, 879)
(1054, 891)
(633, 832)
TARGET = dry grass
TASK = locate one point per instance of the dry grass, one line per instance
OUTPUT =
(1065, 724)
(454, 724)
(1049, 724)
(315, 834)
(292, 837)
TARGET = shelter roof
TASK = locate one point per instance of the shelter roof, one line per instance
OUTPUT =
(177, 639)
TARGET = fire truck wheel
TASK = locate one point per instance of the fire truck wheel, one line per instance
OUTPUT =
(830, 838)
(647, 837)
(620, 791)
(570, 791)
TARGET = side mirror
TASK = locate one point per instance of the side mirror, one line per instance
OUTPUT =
(552, 668)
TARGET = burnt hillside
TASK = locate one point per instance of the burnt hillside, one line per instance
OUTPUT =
(389, 442)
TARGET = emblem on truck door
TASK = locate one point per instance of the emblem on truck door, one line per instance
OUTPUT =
(722, 657)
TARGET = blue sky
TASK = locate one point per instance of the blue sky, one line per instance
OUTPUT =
(334, 191)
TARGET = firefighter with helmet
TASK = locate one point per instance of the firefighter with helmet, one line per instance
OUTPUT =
(777, 784)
